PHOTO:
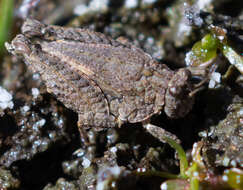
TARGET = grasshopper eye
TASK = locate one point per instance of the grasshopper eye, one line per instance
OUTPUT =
(32, 28)
(21, 48)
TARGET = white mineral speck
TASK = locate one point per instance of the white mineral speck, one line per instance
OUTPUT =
(203, 134)
(221, 38)
(188, 59)
(225, 178)
(141, 37)
(216, 76)
(79, 153)
(148, 1)
(98, 4)
(148, 126)
(5, 99)
(113, 149)
(94, 5)
(184, 29)
(80, 9)
(37, 143)
(35, 92)
(226, 161)
(215, 79)
(203, 3)
(104, 176)
(131, 3)
(86, 163)
(150, 40)
(240, 112)
(42, 122)
(163, 186)
(233, 163)
(13, 154)
(115, 170)
(101, 185)
(195, 174)
(36, 76)
(39, 124)
(26, 108)
(194, 149)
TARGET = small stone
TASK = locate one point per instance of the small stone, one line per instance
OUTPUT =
(5, 99)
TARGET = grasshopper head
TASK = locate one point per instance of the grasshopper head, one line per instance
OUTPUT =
(178, 101)
(20, 45)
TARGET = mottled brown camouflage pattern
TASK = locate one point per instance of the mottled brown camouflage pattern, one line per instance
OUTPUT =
(107, 82)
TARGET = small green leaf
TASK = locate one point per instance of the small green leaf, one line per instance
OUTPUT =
(202, 53)
(209, 42)
(181, 154)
